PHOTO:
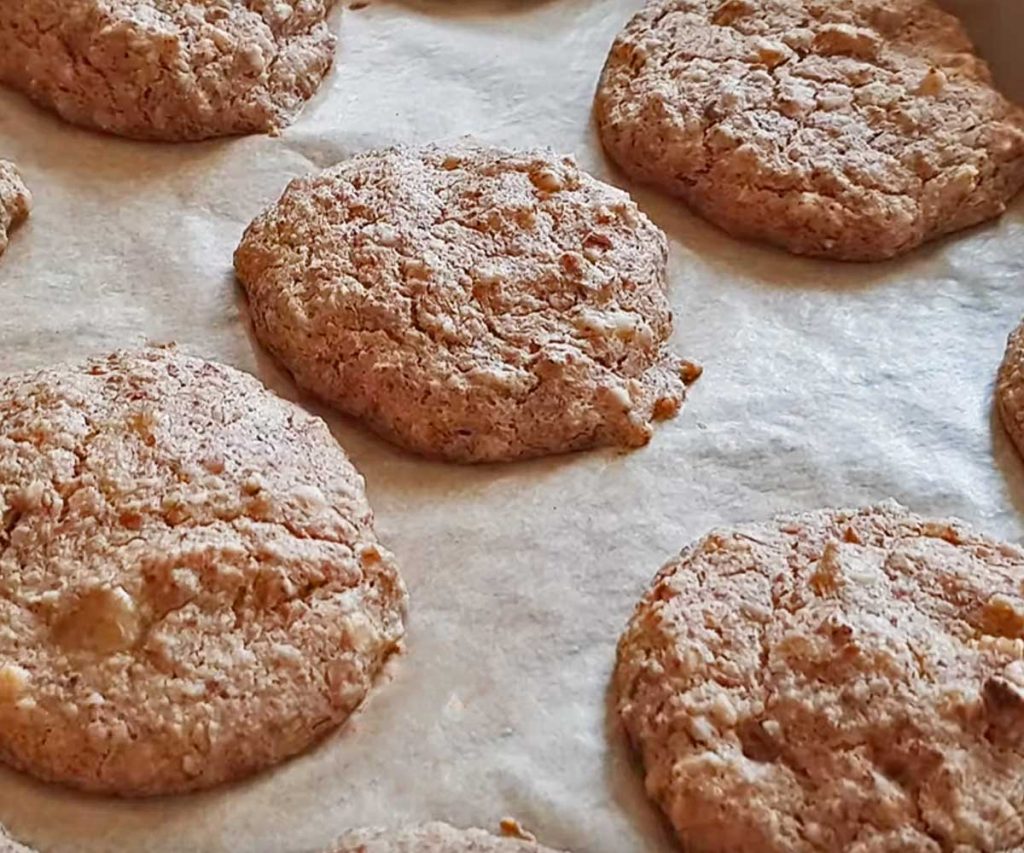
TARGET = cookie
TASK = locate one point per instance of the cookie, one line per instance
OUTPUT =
(15, 201)
(836, 681)
(190, 585)
(438, 838)
(1010, 388)
(847, 129)
(469, 303)
(9, 845)
(168, 69)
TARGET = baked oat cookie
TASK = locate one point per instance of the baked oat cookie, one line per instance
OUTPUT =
(836, 681)
(469, 303)
(190, 585)
(436, 838)
(848, 129)
(168, 69)
(9, 845)
(15, 201)
(1010, 388)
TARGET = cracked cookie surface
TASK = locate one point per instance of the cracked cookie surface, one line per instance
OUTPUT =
(469, 303)
(434, 838)
(190, 585)
(168, 69)
(840, 680)
(15, 201)
(847, 129)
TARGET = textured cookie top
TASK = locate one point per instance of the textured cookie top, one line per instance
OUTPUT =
(469, 303)
(843, 680)
(1010, 388)
(434, 838)
(168, 69)
(15, 201)
(190, 584)
(851, 129)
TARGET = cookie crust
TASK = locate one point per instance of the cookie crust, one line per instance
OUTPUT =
(168, 69)
(15, 201)
(1010, 388)
(840, 680)
(190, 585)
(434, 838)
(847, 129)
(469, 303)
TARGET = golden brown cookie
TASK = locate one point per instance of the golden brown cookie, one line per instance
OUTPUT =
(469, 303)
(1010, 388)
(190, 585)
(435, 838)
(168, 69)
(849, 129)
(835, 681)
(15, 201)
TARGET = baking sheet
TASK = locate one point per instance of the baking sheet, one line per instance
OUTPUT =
(825, 384)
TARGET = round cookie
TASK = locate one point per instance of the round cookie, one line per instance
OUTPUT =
(1010, 388)
(469, 303)
(190, 585)
(168, 69)
(15, 201)
(836, 681)
(9, 845)
(436, 838)
(847, 129)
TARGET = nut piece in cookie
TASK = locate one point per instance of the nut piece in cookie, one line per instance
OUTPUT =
(472, 304)
(844, 680)
(15, 201)
(191, 588)
(168, 69)
(850, 129)
(438, 838)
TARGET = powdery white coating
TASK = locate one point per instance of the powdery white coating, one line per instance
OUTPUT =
(190, 584)
(836, 681)
(469, 303)
(15, 201)
(435, 838)
(168, 69)
(1010, 388)
(849, 129)
(9, 845)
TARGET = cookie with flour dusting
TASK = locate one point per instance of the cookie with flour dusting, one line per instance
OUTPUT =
(168, 69)
(436, 838)
(190, 584)
(15, 201)
(835, 681)
(469, 303)
(848, 129)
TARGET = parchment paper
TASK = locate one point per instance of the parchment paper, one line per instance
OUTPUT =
(825, 384)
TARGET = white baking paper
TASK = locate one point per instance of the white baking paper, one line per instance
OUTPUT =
(825, 384)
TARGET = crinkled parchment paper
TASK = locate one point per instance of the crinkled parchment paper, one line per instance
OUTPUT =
(825, 384)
